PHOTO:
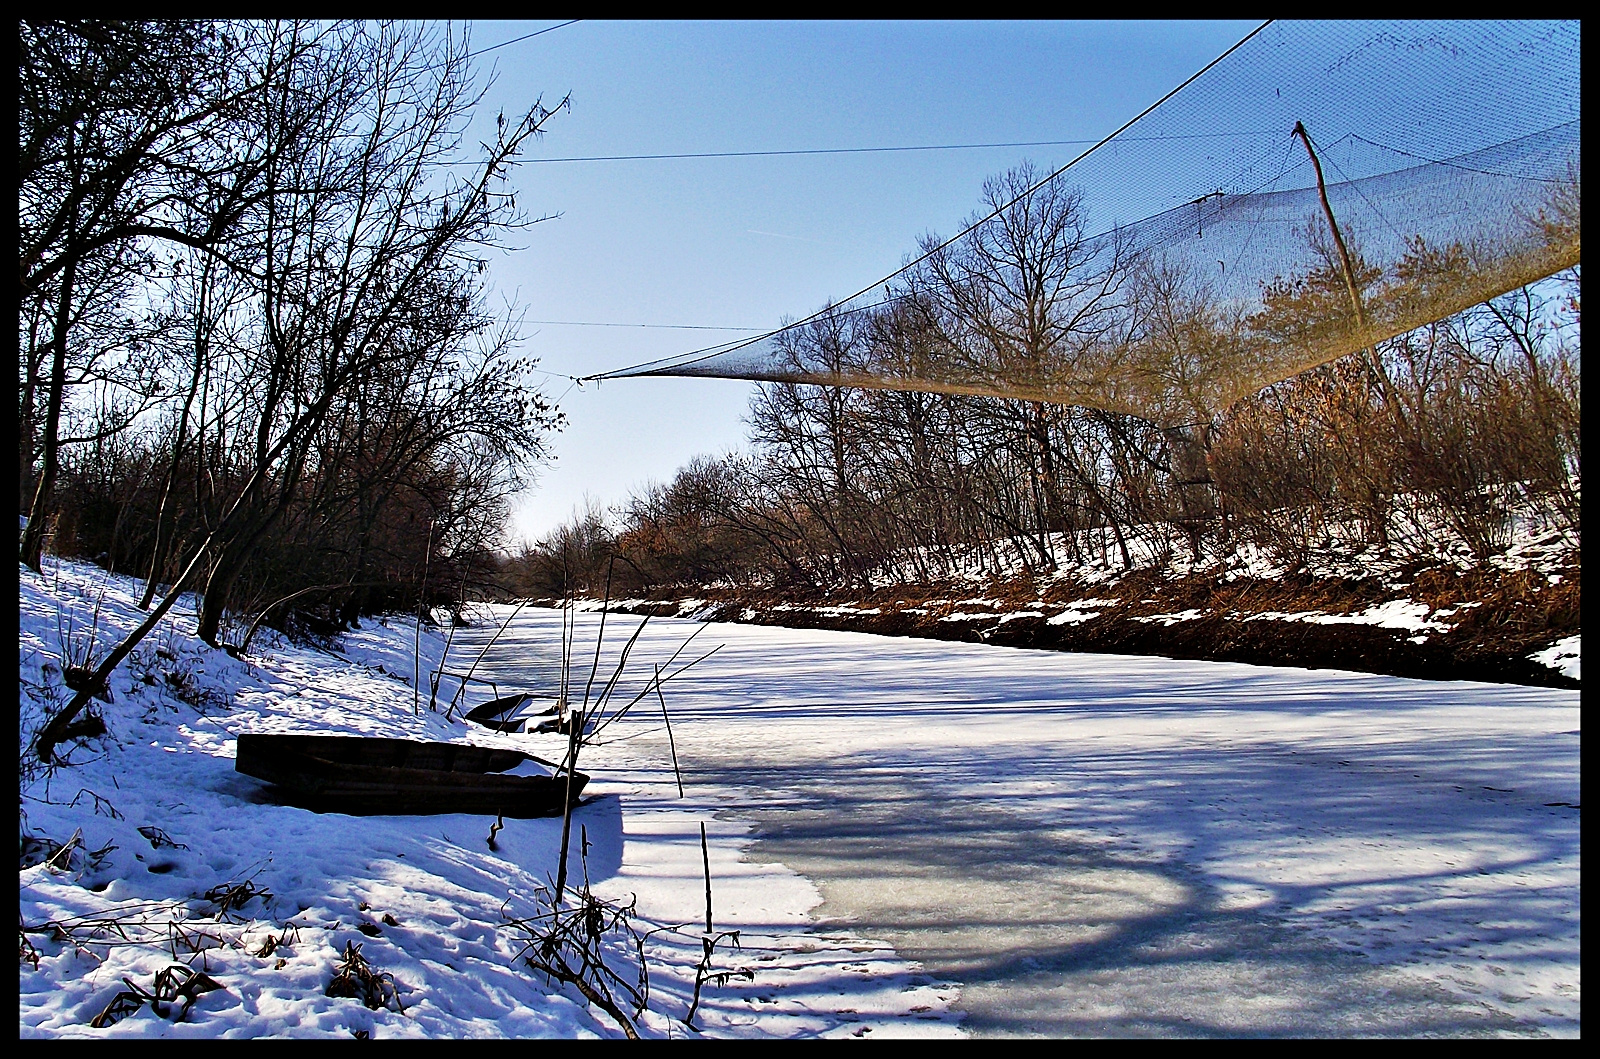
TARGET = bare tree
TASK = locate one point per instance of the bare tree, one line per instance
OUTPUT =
(1028, 302)
(354, 237)
(120, 143)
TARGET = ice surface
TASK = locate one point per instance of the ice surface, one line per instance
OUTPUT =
(1110, 845)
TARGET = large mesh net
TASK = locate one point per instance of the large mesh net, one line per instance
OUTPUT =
(1319, 188)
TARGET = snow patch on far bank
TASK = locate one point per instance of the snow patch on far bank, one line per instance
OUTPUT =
(1395, 614)
(1563, 656)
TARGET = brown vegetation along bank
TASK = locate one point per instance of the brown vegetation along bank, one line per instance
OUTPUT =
(1430, 623)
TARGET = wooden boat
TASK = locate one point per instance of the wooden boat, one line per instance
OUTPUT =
(504, 714)
(401, 777)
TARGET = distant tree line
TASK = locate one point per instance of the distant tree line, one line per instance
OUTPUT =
(1440, 433)
(257, 358)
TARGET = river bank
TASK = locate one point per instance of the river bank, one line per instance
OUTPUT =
(1516, 624)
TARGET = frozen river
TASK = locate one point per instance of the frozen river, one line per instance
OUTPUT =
(1102, 845)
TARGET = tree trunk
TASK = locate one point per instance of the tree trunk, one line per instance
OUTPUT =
(158, 555)
(225, 574)
(32, 546)
(1191, 475)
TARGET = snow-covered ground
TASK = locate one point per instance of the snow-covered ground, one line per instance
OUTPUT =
(1565, 655)
(1036, 842)
(1534, 539)
(424, 897)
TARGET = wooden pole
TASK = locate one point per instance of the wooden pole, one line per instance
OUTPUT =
(1348, 271)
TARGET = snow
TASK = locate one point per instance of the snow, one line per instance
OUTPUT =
(1075, 616)
(1105, 845)
(1175, 616)
(528, 768)
(836, 611)
(1537, 540)
(914, 838)
(1563, 655)
(1395, 614)
(451, 946)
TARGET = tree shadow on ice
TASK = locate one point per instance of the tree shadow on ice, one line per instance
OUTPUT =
(1097, 896)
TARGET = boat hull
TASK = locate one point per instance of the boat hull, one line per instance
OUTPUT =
(401, 777)
(495, 714)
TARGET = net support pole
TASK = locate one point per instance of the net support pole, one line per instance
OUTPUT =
(1348, 271)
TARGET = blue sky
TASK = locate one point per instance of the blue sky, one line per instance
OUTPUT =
(747, 242)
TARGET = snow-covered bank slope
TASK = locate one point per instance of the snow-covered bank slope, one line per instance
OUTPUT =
(179, 859)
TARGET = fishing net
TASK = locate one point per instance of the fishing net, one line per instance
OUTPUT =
(1319, 188)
